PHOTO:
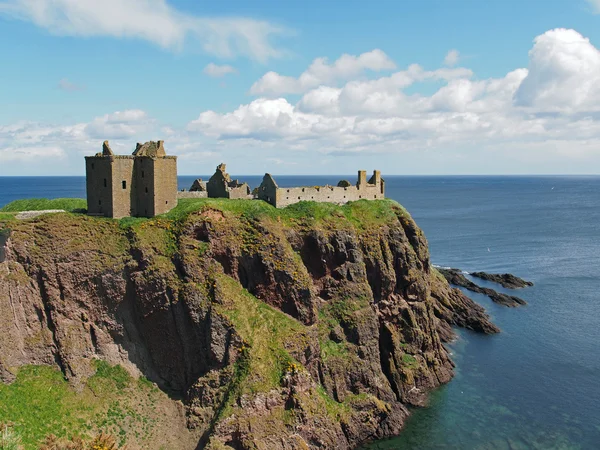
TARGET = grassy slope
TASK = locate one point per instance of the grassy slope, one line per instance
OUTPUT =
(40, 402)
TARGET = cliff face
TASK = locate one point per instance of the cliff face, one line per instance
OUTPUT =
(312, 326)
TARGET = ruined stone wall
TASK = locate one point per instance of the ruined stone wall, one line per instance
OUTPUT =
(122, 186)
(98, 172)
(331, 194)
(282, 197)
(192, 194)
(165, 184)
(239, 192)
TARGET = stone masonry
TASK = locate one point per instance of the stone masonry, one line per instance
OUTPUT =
(342, 193)
(143, 184)
(220, 185)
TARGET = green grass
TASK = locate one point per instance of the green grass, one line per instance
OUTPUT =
(409, 361)
(265, 329)
(38, 204)
(362, 214)
(40, 402)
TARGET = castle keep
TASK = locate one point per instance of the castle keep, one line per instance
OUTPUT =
(143, 184)
(342, 193)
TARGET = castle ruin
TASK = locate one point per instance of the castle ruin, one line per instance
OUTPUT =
(220, 185)
(342, 193)
(143, 184)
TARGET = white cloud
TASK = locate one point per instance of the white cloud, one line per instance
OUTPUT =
(28, 154)
(541, 118)
(564, 74)
(595, 4)
(151, 20)
(320, 72)
(217, 71)
(557, 98)
(66, 85)
(452, 58)
(119, 125)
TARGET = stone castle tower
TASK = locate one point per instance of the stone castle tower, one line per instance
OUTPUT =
(143, 184)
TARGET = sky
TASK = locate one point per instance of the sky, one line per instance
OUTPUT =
(428, 87)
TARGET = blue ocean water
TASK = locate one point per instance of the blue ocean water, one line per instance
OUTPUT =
(536, 384)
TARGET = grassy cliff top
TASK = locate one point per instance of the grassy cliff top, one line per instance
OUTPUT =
(360, 213)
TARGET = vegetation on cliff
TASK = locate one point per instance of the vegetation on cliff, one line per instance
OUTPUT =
(312, 325)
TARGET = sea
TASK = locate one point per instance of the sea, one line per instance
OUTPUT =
(536, 385)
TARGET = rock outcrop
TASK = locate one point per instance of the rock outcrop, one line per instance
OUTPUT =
(279, 329)
(456, 277)
(506, 280)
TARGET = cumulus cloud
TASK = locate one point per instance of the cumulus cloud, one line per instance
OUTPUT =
(544, 111)
(119, 125)
(151, 20)
(556, 98)
(321, 72)
(564, 74)
(451, 58)
(30, 141)
(217, 71)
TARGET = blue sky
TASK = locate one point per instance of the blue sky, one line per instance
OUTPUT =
(425, 87)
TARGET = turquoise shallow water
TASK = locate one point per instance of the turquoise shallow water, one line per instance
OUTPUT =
(535, 385)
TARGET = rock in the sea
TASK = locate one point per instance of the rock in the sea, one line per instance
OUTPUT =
(507, 280)
(456, 277)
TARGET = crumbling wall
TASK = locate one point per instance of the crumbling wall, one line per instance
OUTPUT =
(220, 185)
(192, 194)
(342, 193)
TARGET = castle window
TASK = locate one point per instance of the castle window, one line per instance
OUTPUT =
(124, 183)
(143, 176)
(288, 190)
(302, 189)
(105, 182)
(167, 202)
(360, 196)
(92, 166)
(146, 190)
(298, 198)
(375, 195)
(100, 202)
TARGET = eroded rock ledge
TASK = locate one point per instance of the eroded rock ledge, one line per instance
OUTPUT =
(310, 327)
(457, 278)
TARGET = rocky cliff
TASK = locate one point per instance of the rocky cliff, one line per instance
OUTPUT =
(314, 326)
